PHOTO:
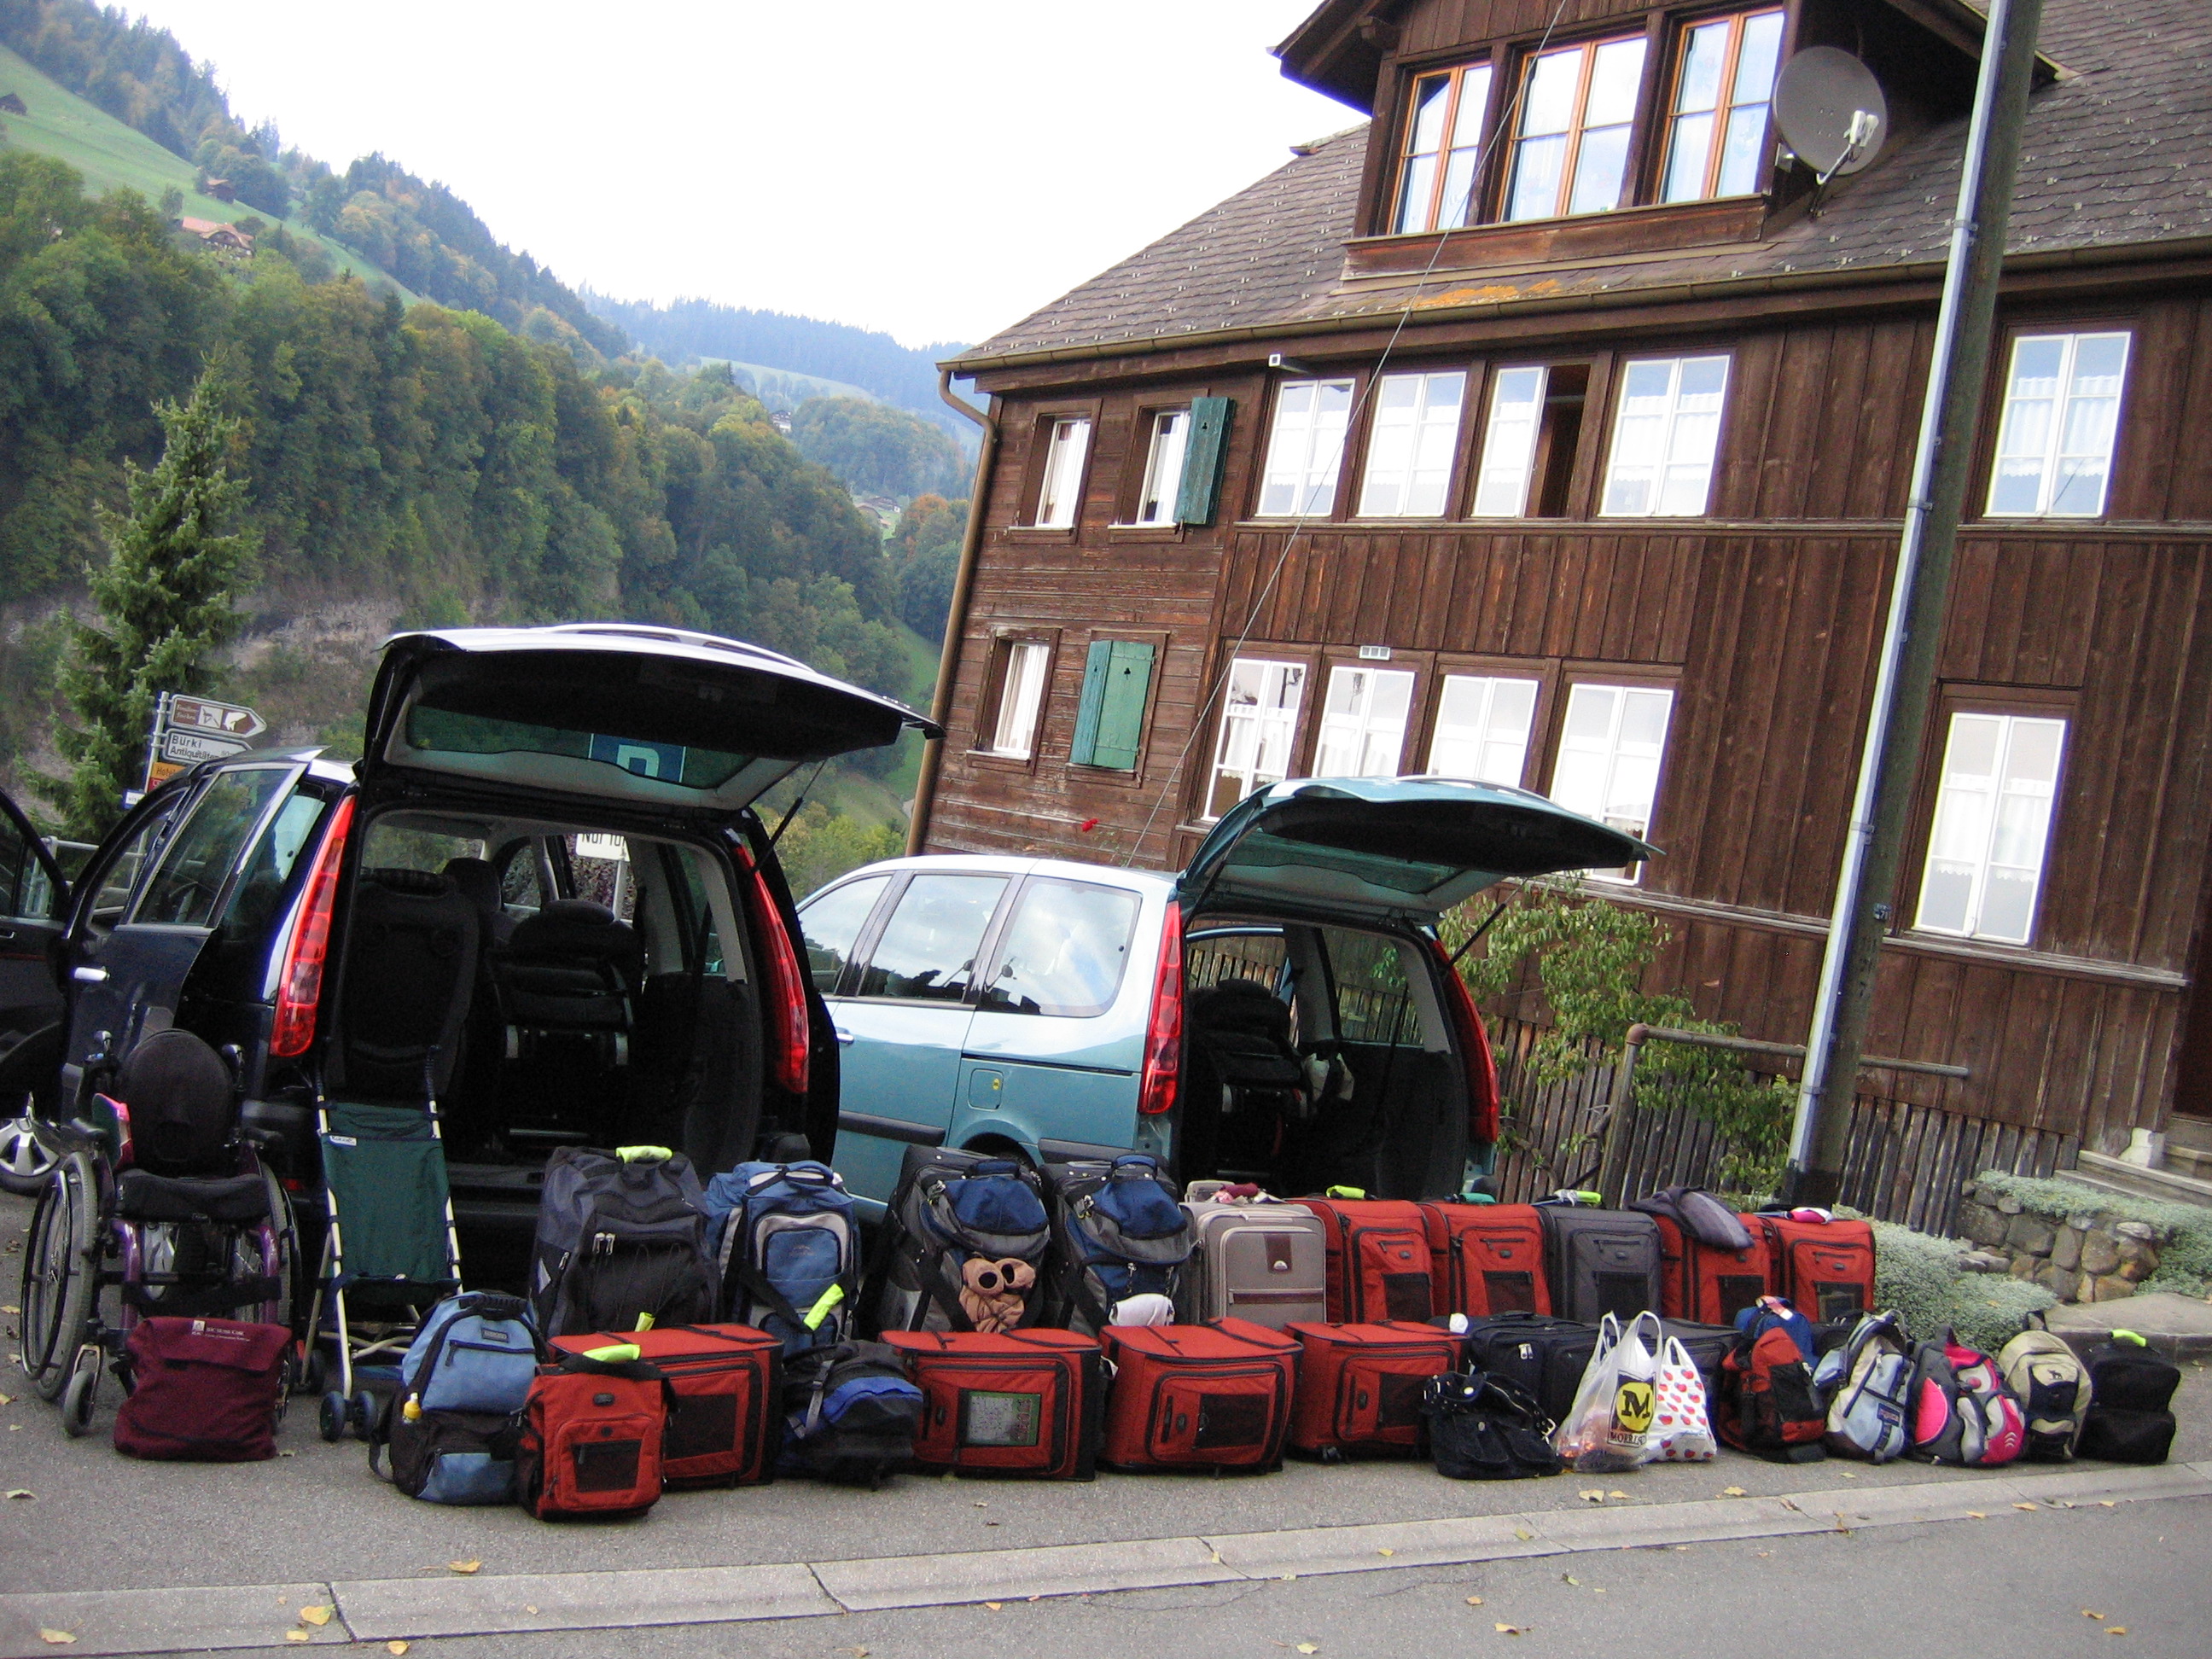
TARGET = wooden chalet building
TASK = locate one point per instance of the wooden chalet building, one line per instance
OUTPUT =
(1549, 427)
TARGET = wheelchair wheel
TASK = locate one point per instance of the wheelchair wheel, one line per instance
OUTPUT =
(83, 1392)
(61, 1261)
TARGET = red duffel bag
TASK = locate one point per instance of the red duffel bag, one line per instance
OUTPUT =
(205, 1390)
(1213, 1397)
(1360, 1386)
(1007, 1403)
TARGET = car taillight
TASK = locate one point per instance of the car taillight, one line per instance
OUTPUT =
(1474, 1049)
(299, 981)
(792, 1067)
(1163, 1032)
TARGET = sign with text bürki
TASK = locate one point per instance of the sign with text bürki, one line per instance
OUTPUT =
(189, 730)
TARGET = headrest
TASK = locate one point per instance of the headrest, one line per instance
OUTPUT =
(1243, 1004)
(477, 881)
(427, 883)
(571, 928)
(179, 1092)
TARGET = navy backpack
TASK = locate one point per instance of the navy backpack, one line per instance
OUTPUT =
(1118, 1230)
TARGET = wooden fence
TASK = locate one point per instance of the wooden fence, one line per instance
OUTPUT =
(1905, 1162)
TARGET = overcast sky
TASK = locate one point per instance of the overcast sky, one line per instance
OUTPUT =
(937, 169)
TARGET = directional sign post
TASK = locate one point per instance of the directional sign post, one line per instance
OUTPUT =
(189, 730)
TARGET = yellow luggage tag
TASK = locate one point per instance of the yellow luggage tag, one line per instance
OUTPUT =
(1345, 1192)
(644, 1154)
(614, 1353)
(824, 1304)
(644, 1322)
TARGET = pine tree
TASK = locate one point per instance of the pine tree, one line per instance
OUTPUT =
(165, 595)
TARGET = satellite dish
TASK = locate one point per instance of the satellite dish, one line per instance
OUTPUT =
(1830, 110)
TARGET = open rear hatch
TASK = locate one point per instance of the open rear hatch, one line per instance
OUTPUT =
(649, 717)
(1400, 849)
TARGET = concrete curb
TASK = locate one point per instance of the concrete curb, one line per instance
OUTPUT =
(257, 1616)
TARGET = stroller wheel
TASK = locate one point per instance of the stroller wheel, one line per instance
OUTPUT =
(80, 1394)
(315, 1373)
(367, 1408)
(331, 1420)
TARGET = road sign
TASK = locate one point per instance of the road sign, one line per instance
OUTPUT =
(189, 730)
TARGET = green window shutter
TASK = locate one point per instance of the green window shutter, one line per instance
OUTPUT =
(1094, 699)
(1121, 729)
(1203, 454)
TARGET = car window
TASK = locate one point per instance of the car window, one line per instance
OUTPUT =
(111, 883)
(927, 949)
(521, 893)
(395, 843)
(1210, 957)
(1065, 949)
(27, 892)
(192, 871)
(695, 872)
(268, 868)
(829, 923)
(1374, 996)
(601, 869)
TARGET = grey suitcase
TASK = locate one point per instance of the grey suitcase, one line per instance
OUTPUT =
(1265, 1262)
(1600, 1262)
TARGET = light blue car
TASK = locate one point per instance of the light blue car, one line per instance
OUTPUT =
(1281, 1011)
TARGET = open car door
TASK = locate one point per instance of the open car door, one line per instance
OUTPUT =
(1398, 848)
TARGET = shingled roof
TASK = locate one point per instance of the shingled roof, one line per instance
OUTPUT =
(2117, 153)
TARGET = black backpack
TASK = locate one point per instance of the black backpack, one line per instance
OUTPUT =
(2130, 1419)
(621, 1236)
(963, 1247)
(850, 1413)
(1119, 1230)
(1483, 1428)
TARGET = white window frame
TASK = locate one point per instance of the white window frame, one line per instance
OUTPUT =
(1306, 449)
(1254, 732)
(1688, 443)
(1167, 441)
(1060, 491)
(1022, 677)
(1411, 447)
(2058, 444)
(1615, 759)
(1507, 470)
(1971, 818)
(1482, 732)
(1360, 741)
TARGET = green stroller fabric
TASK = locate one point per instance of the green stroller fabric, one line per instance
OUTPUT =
(386, 1171)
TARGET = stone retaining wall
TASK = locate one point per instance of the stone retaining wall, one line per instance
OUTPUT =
(2082, 1256)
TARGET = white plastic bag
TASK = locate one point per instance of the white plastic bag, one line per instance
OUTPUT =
(1681, 1427)
(1607, 1431)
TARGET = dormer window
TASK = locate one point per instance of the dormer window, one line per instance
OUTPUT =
(1570, 142)
(1439, 166)
(1717, 141)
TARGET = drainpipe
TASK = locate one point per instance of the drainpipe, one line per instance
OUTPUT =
(956, 624)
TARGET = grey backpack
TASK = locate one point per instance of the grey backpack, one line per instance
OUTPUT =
(622, 1237)
(1868, 1382)
(2052, 1386)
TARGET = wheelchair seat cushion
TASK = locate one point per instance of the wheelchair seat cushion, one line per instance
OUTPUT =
(179, 1095)
(142, 1195)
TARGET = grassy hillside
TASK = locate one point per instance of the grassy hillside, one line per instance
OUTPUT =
(112, 157)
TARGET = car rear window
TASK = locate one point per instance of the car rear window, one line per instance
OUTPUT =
(1374, 997)
(452, 731)
(1065, 951)
(927, 949)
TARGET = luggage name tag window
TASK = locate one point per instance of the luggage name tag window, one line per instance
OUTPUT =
(1511, 1292)
(607, 1464)
(991, 1418)
(1232, 1419)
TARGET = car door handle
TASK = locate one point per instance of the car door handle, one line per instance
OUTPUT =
(843, 1036)
(7, 936)
(89, 976)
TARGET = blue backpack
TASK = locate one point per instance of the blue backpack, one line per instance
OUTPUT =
(850, 1413)
(451, 1431)
(787, 1250)
(1772, 1313)
(964, 1245)
(1118, 1230)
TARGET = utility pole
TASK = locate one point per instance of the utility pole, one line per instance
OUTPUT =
(1905, 681)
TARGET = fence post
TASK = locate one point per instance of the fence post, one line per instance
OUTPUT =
(1613, 1172)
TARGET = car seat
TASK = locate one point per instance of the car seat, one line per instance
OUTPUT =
(570, 969)
(1245, 1074)
(410, 962)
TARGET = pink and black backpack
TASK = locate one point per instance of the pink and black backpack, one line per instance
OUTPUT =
(1962, 1412)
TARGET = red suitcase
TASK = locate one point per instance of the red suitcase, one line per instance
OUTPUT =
(1486, 1259)
(1704, 1284)
(727, 1422)
(591, 1439)
(1214, 1396)
(1360, 1385)
(1016, 1403)
(1378, 1259)
(1825, 1268)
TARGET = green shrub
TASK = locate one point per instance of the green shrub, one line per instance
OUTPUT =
(1918, 1275)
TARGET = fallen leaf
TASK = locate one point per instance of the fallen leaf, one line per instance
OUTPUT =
(995, 1606)
(1763, 1554)
(298, 1636)
(1474, 1601)
(287, 1454)
(529, 1608)
(395, 1647)
(1523, 1533)
(1286, 1578)
(1509, 1630)
(1569, 1579)
(2116, 1630)
(1976, 1515)
(1616, 1494)
(1597, 1589)
(7, 1399)
(10, 1308)
(1732, 1491)
(2086, 1614)
(463, 1566)
(1847, 1475)
(2106, 1503)
(1309, 1647)
(1592, 1494)
(59, 1638)
(2024, 1506)
(316, 1615)
(857, 1653)
(1386, 1551)
(21, 1492)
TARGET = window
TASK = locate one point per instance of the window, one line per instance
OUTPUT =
(829, 926)
(1065, 949)
(26, 891)
(261, 885)
(2061, 412)
(1299, 478)
(1571, 148)
(199, 859)
(1717, 145)
(1482, 728)
(1992, 823)
(1059, 492)
(927, 949)
(1411, 446)
(1259, 719)
(1021, 676)
(1363, 722)
(1171, 437)
(1665, 437)
(1609, 755)
(1509, 443)
(1438, 169)
(1110, 720)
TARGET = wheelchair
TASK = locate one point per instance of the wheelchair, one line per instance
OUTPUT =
(156, 1205)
